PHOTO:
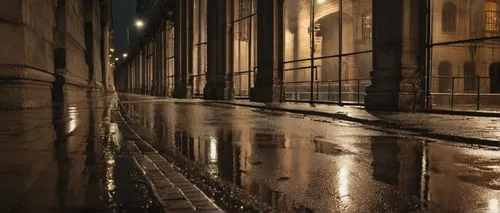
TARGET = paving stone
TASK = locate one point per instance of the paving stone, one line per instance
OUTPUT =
(183, 211)
(207, 207)
(171, 194)
(210, 211)
(176, 204)
(195, 199)
(203, 204)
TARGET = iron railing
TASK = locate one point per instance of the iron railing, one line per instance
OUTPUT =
(464, 93)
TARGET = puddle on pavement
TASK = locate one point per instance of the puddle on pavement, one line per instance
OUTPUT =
(67, 159)
(294, 170)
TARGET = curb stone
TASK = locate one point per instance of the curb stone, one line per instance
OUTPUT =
(379, 123)
(173, 193)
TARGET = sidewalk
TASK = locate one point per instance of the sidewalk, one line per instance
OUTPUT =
(457, 128)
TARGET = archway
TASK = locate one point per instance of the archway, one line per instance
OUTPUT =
(495, 78)
(329, 32)
(445, 79)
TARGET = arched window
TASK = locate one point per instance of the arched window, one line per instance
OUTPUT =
(449, 18)
(470, 80)
(491, 12)
(445, 78)
(366, 26)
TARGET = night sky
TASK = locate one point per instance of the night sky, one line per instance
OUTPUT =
(123, 16)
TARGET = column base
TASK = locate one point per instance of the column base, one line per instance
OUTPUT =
(25, 94)
(217, 93)
(24, 87)
(265, 94)
(405, 98)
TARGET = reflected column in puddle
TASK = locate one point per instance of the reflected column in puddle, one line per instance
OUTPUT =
(401, 163)
(26, 156)
(74, 128)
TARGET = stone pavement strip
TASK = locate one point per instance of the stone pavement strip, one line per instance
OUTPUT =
(172, 191)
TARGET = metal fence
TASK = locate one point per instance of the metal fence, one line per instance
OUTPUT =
(465, 93)
(243, 81)
(349, 91)
(199, 82)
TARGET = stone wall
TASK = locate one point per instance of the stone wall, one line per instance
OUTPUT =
(43, 52)
(26, 65)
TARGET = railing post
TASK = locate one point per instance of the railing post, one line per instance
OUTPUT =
(312, 87)
(296, 92)
(478, 92)
(317, 83)
(359, 97)
(317, 90)
(452, 91)
(329, 94)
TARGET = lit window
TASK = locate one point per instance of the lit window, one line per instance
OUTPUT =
(366, 26)
(449, 18)
(491, 12)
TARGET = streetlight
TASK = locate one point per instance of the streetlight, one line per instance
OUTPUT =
(139, 23)
(125, 55)
(117, 59)
(111, 50)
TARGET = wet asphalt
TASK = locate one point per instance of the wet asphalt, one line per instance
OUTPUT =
(297, 163)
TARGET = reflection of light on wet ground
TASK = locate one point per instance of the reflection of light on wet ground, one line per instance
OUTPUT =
(343, 180)
(115, 134)
(110, 166)
(493, 205)
(212, 150)
(213, 169)
(110, 155)
(73, 119)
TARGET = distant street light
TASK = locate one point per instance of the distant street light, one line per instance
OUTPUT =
(125, 55)
(117, 59)
(139, 23)
(111, 50)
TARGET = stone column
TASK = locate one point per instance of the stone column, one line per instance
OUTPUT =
(218, 33)
(92, 41)
(269, 51)
(71, 68)
(398, 54)
(107, 72)
(182, 50)
(26, 56)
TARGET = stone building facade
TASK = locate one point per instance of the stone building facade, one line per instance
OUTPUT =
(465, 53)
(54, 51)
(361, 52)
